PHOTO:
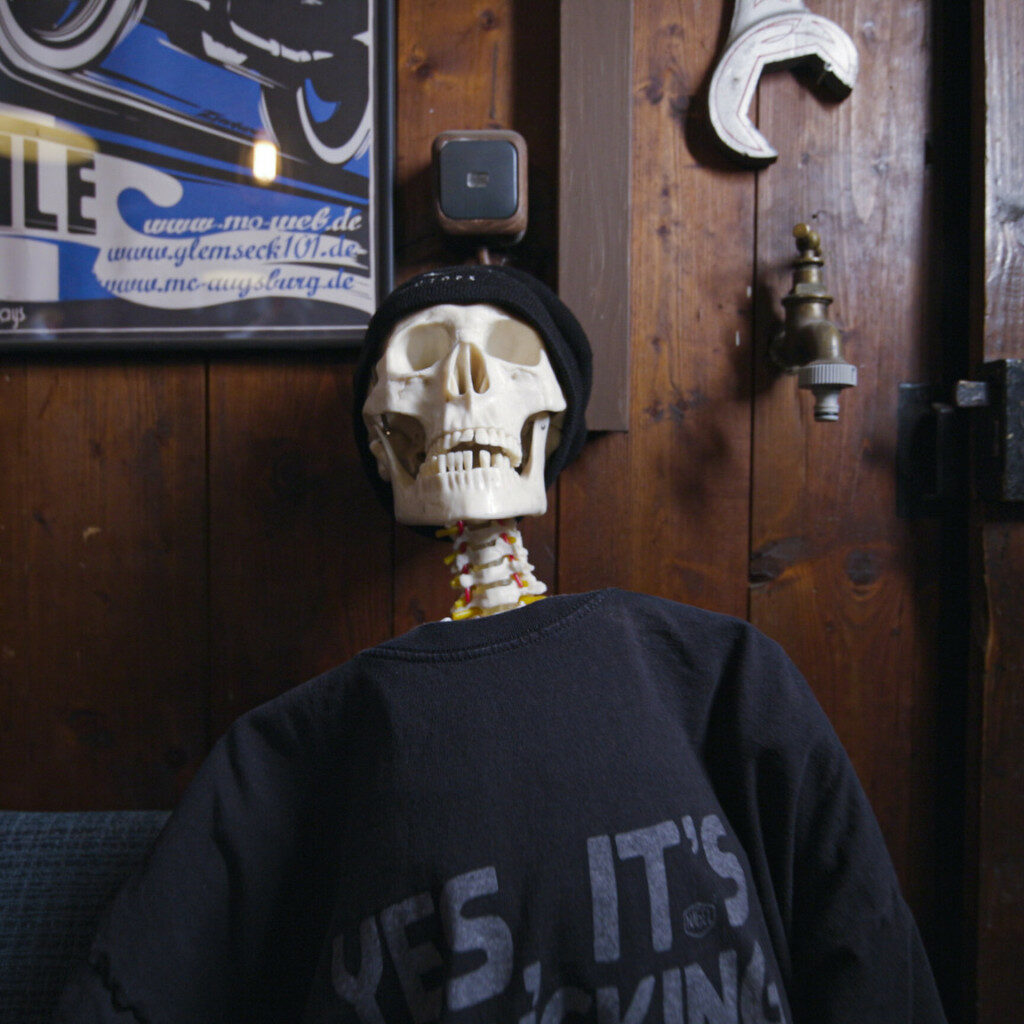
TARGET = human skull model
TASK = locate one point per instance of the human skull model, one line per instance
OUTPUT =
(462, 412)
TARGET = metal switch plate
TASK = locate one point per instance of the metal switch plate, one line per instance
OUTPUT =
(480, 184)
(478, 179)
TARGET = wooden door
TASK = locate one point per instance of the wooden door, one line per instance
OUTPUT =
(725, 492)
(996, 834)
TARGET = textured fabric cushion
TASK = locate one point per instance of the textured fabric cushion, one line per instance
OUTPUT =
(57, 872)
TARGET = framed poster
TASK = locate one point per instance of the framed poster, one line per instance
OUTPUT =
(131, 210)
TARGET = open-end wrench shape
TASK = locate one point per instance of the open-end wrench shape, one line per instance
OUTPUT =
(772, 33)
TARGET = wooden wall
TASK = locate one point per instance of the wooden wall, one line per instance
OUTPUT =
(183, 537)
(997, 321)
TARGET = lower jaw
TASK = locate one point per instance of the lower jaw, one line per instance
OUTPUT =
(493, 493)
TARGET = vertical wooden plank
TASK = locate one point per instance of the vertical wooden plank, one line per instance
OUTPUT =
(477, 65)
(102, 551)
(453, 70)
(665, 509)
(300, 550)
(594, 209)
(469, 66)
(843, 584)
(999, 333)
(999, 842)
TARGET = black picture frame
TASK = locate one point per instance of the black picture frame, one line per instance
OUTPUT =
(129, 211)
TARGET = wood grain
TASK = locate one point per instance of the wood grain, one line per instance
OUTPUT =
(453, 71)
(300, 549)
(836, 577)
(102, 549)
(999, 332)
(664, 509)
(594, 209)
(472, 66)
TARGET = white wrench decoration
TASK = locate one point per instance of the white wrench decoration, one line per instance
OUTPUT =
(772, 33)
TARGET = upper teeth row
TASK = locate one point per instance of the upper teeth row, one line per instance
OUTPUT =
(485, 437)
(449, 462)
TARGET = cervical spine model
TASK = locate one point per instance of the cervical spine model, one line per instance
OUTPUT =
(490, 568)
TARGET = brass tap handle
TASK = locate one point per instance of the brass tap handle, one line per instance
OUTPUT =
(807, 240)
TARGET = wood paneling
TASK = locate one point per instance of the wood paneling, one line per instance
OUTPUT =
(593, 194)
(300, 548)
(836, 577)
(664, 508)
(851, 591)
(181, 539)
(999, 333)
(103, 609)
(471, 66)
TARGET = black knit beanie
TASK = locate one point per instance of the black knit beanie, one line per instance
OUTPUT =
(515, 292)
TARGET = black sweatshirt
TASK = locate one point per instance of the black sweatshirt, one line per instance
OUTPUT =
(604, 807)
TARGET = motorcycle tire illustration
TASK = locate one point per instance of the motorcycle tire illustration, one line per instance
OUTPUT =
(323, 118)
(64, 35)
(329, 118)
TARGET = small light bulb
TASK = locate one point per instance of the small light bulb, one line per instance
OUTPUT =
(264, 160)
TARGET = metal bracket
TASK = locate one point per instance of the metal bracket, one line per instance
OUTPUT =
(932, 434)
(929, 455)
(999, 432)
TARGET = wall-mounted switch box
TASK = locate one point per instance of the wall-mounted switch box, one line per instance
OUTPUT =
(480, 183)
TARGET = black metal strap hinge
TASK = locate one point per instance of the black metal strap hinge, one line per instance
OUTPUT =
(933, 451)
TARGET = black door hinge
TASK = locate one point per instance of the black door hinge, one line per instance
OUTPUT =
(933, 451)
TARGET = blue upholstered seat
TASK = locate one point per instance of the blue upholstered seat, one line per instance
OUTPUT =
(57, 871)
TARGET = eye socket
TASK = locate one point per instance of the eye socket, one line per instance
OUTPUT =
(515, 342)
(424, 345)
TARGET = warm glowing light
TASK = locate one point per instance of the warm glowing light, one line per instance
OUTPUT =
(264, 160)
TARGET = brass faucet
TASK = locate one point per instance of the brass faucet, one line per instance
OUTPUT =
(809, 344)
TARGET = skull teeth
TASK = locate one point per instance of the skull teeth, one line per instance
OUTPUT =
(454, 462)
(498, 443)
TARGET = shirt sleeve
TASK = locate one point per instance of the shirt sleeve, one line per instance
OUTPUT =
(845, 939)
(222, 922)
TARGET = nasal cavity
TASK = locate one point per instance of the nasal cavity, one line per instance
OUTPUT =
(468, 372)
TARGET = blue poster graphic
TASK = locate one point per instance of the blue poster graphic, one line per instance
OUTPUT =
(129, 208)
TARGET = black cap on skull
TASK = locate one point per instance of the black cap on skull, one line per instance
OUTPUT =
(509, 289)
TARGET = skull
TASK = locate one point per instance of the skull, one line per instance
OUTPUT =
(461, 415)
